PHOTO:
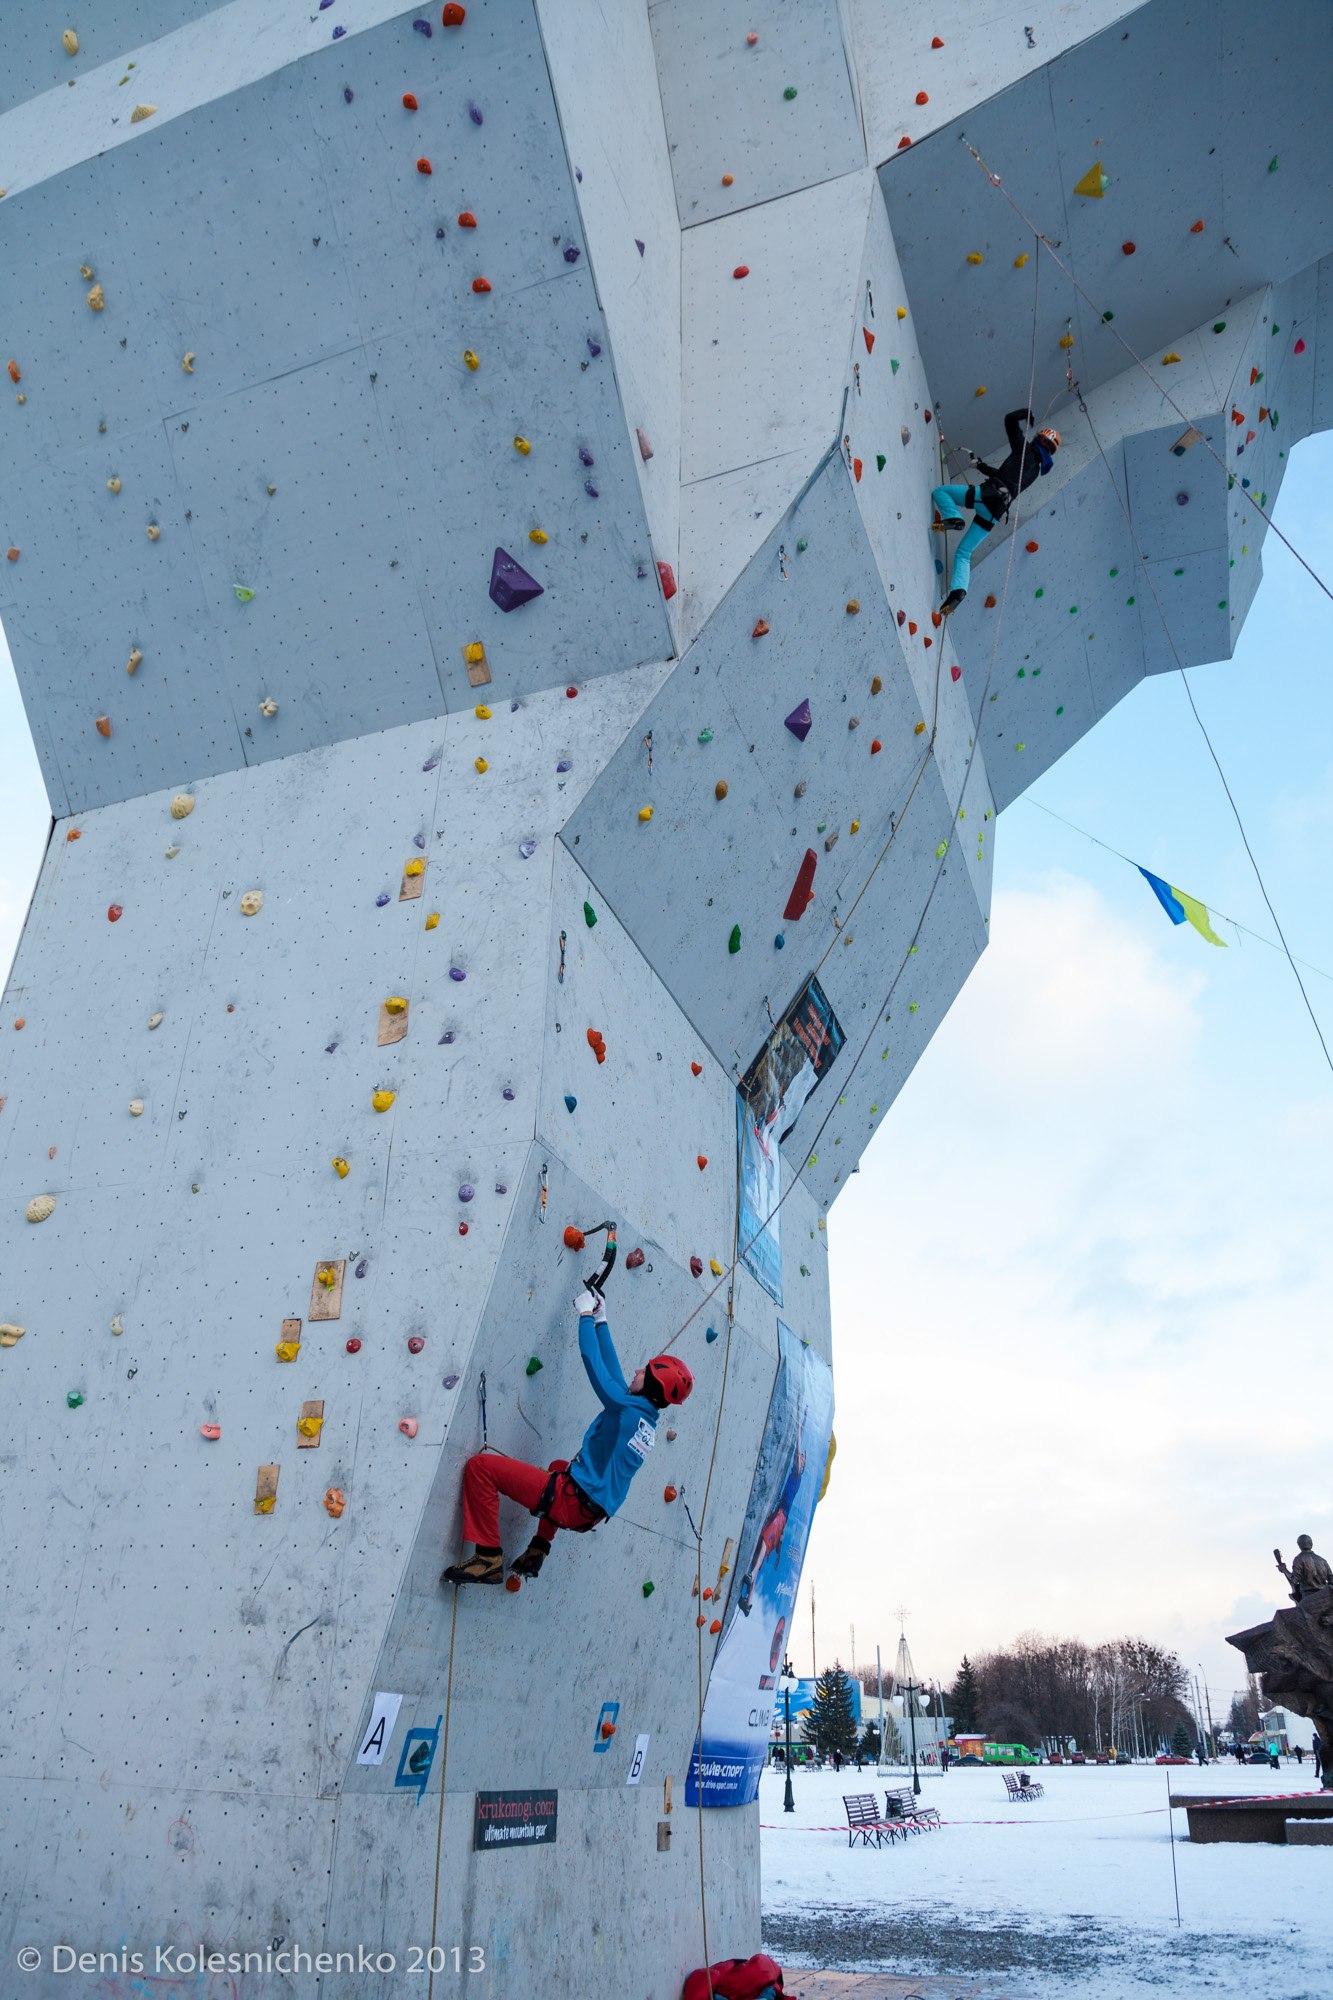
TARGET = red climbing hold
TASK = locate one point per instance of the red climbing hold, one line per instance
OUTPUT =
(635, 1258)
(902, 618)
(869, 339)
(667, 578)
(596, 1039)
(935, 42)
(1299, 348)
(467, 220)
(876, 747)
(696, 1267)
(989, 603)
(955, 673)
(751, 40)
(571, 693)
(1196, 229)
(115, 913)
(936, 619)
(701, 1161)
(424, 167)
(415, 1344)
(1032, 547)
(856, 470)
(354, 1345)
(927, 642)
(409, 102)
(511, 1582)
(454, 15)
(574, 1237)
(911, 628)
(1129, 248)
(741, 271)
(802, 894)
(904, 141)
(761, 629)
(922, 97)
(480, 284)
(462, 1229)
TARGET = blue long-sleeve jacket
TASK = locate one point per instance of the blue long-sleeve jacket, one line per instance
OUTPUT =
(616, 1442)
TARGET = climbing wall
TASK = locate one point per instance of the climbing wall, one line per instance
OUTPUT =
(465, 489)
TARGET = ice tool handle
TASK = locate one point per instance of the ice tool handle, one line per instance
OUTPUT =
(598, 1283)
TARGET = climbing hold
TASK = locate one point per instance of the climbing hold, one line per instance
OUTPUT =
(720, 789)
(113, 484)
(454, 15)
(287, 1350)
(696, 1267)
(800, 721)
(354, 1345)
(97, 299)
(669, 1493)
(935, 42)
(876, 747)
(342, 1168)
(335, 1500)
(408, 1426)
(1094, 183)
(114, 913)
(715, 1267)
(1032, 547)
(155, 1020)
(701, 1161)
(574, 1237)
(1299, 348)
(268, 708)
(481, 766)
(522, 446)
(74, 1398)
(974, 257)
(154, 534)
(696, 1069)
(1129, 248)
(511, 586)
(760, 629)
(645, 449)
(182, 805)
(645, 814)
(1019, 262)
(415, 1344)
(802, 894)
(648, 1589)
(711, 1335)
(69, 41)
(142, 111)
(571, 1103)
(634, 1259)
(715, 1626)
(136, 1107)
(409, 102)
(667, 578)
(424, 167)
(252, 902)
(41, 1205)
(1066, 340)
(728, 180)
(734, 941)
(922, 98)
(457, 974)
(980, 391)
(869, 339)
(1196, 229)
(789, 92)
(853, 606)
(989, 602)
(474, 113)
(1167, 359)
(14, 372)
(533, 1366)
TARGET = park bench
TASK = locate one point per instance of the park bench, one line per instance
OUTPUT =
(863, 1820)
(902, 1809)
(1020, 1791)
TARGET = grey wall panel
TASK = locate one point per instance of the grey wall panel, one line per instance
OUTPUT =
(726, 104)
(39, 62)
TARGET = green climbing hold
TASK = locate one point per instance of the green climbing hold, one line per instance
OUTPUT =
(1036, 673)
(894, 366)
(1020, 746)
(705, 735)
(1275, 327)
(1059, 711)
(589, 915)
(1039, 593)
(1108, 315)
(533, 1365)
(648, 1589)
(941, 850)
(1073, 611)
(74, 1398)
(1178, 572)
(1272, 164)
(241, 591)
(789, 92)
(1221, 604)
(1022, 673)
(880, 461)
(805, 1270)
(1219, 326)
(1115, 572)
(734, 941)
(802, 546)
(911, 1006)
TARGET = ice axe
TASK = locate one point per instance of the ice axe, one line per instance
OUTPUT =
(598, 1283)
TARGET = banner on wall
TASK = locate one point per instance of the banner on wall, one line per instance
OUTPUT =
(759, 1219)
(792, 1063)
(732, 1747)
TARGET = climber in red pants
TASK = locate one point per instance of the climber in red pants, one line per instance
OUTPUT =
(576, 1495)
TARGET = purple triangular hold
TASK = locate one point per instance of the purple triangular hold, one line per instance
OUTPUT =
(800, 721)
(510, 583)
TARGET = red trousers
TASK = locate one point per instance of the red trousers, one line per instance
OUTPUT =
(489, 1474)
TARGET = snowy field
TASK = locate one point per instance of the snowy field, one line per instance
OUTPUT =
(1070, 1894)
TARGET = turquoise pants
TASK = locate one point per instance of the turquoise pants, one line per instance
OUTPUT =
(949, 501)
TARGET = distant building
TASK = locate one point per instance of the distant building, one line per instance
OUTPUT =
(1288, 1730)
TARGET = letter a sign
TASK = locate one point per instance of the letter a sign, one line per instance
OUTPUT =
(383, 1716)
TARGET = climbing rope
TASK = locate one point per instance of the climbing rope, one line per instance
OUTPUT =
(439, 1830)
(1046, 244)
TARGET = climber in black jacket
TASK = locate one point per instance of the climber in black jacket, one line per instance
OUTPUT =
(1029, 459)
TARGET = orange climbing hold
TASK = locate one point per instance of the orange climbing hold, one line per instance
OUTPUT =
(668, 1494)
(11, 555)
(15, 375)
(869, 339)
(424, 167)
(467, 220)
(481, 284)
(454, 15)
(513, 1583)
(1032, 547)
(1196, 229)
(103, 725)
(904, 141)
(911, 627)
(936, 619)
(697, 1069)
(761, 629)
(728, 180)
(75, 833)
(574, 1237)
(876, 747)
(701, 1161)
(716, 1625)
(608, 1731)
(335, 1501)
(409, 102)
(936, 42)
(856, 470)
(922, 98)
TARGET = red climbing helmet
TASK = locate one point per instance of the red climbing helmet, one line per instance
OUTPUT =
(672, 1377)
(1050, 438)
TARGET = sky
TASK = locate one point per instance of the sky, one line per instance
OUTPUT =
(1082, 1283)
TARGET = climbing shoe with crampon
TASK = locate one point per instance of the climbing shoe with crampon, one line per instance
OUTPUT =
(477, 1569)
(942, 526)
(532, 1558)
(952, 602)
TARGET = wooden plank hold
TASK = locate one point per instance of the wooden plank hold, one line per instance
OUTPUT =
(393, 1020)
(474, 658)
(289, 1341)
(326, 1292)
(310, 1426)
(666, 1793)
(414, 879)
(266, 1489)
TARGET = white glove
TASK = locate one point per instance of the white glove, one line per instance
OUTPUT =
(587, 1303)
(599, 1311)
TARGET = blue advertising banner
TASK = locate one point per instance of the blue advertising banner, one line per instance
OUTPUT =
(742, 1689)
(760, 1220)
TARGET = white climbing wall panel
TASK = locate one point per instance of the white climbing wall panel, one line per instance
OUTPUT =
(479, 872)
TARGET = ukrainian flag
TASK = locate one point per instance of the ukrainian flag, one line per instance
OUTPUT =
(1182, 908)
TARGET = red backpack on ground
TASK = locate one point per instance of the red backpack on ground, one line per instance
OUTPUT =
(737, 1979)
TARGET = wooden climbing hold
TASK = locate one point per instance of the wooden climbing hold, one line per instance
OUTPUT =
(760, 630)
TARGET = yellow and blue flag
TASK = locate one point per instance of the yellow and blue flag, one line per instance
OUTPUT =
(1182, 908)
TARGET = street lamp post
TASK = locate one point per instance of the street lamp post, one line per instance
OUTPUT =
(787, 1683)
(911, 1692)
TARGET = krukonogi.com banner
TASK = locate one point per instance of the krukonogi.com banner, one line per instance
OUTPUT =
(743, 1686)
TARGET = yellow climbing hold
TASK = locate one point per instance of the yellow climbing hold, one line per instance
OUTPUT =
(342, 1168)
(286, 1350)
(902, 312)
(1093, 184)
(414, 868)
(715, 1267)
(522, 446)
(475, 653)
(1167, 359)
(856, 826)
(432, 920)
(395, 1004)
(876, 685)
(482, 713)
(919, 729)
(113, 484)
(974, 257)
(310, 1427)
(382, 1099)
(187, 362)
(536, 535)
(1066, 340)
(645, 814)
(1019, 262)
(142, 111)
(981, 391)
(480, 766)
(135, 660)
(153, 532)
(471, 360)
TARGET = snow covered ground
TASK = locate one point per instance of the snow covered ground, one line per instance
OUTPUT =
(1070, 1894)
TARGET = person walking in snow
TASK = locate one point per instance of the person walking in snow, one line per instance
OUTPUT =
(1029, 459)
(578, 1494)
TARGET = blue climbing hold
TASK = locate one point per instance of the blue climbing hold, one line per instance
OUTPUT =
(779, 942)
(571, 253)
(431, 761)
(800, 721)
(466, 1192)
(381, 900)
(592, 491)
(570, 1102)
(347, 94)
(594, 348)
(449, 1036)
(527, 848)
(338, 34)
(711, 1335)
(474, 113)
(638, 246)
(511, 585)
(424, 28)
(564, 765)
(362, 1268)
(585, 456)
(418, 840)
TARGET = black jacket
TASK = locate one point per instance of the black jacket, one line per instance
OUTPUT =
(1027, 461)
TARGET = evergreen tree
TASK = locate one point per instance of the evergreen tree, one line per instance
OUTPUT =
(869, 1743)
(965, 1700)
(893, 1743)
(830, 1724)
(1180, 1742)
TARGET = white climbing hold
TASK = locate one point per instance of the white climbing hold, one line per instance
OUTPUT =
(182, 805)
(156, 1020)
(9, 1333)
(40, 1207)
(69, 41)
(136, 1107)
(252, 902)
(135, 660)
(118, 1325)
(187, 363)
(268, 708)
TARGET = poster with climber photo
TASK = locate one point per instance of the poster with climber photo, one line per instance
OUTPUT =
(742, 1697)
(759, 1218)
